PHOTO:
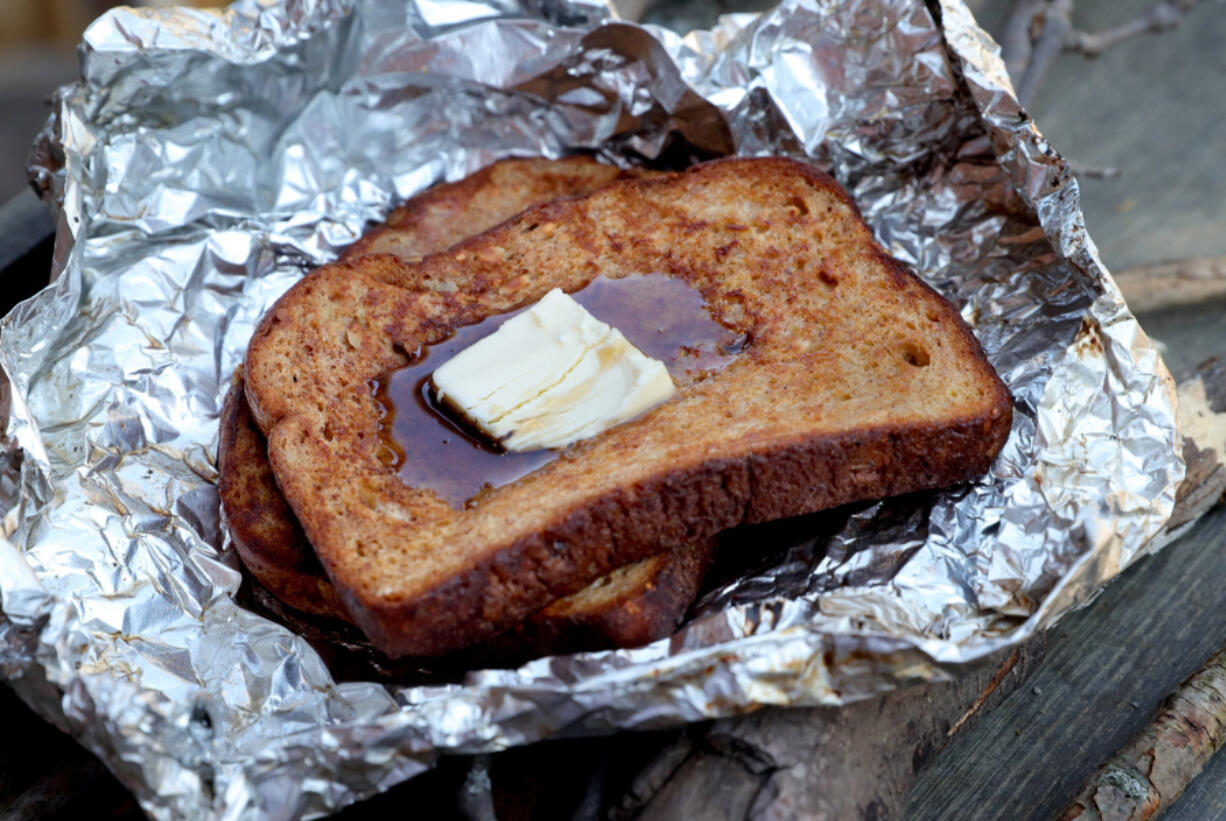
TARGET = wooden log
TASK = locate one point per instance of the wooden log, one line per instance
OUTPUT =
(1148, 774)
(1166, 284)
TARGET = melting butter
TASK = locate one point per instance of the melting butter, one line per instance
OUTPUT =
(551, 376)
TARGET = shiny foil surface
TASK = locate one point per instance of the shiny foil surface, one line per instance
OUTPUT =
(207, 160)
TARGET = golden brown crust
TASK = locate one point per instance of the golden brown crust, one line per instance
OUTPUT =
(265, 532)
(859, 383)
(630, 614)
(446, 214)
(633, 605)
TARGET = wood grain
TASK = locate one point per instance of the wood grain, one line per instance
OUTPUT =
(1151, 771)
(857, 761)
(1106, 667)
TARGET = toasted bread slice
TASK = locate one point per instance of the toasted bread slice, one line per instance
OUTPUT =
(446, 214)
(858, 382)
(265, 532)
(633, 605)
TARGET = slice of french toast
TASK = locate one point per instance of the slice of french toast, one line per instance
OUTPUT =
(857, 382)
(633, 605)
(445, 214)
(265, 532)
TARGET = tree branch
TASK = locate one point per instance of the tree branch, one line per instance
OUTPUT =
(1015, 42)
(1160, 17)
(1146, 777)
(1057, 23)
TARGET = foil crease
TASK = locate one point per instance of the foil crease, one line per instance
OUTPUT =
(206, 160)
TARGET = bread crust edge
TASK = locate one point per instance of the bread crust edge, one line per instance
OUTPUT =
(807, 476)
(727, 492)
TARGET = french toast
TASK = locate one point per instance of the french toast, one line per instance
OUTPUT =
(445, 214)
(632, 605)
(265, 532)
(857, 382)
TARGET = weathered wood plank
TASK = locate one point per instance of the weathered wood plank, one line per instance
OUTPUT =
(857, 761)
(1150, 288)
(1149, 773)
(1190, 334)
(1107, 667)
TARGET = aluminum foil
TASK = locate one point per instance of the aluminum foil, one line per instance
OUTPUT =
(207, 160)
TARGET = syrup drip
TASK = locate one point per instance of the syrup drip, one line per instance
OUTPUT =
(429, 447)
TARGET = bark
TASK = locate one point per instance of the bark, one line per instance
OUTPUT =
(1148, 774)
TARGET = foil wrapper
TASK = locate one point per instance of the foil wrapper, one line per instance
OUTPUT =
(206, 160)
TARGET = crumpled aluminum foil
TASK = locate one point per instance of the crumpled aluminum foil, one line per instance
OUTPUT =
(207, 160)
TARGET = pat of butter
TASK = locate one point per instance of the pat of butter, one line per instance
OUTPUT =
(550, 376)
